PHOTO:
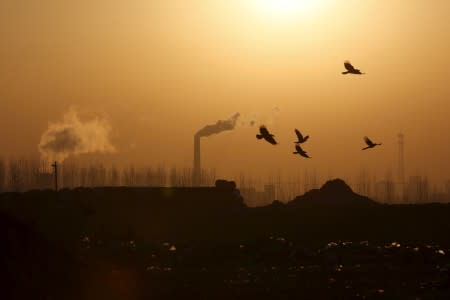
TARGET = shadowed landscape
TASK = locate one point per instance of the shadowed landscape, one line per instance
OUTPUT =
(239, 149)
(173, 243)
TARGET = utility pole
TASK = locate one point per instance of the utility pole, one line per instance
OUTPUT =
(55, 173)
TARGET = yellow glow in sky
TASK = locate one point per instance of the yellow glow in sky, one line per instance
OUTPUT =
(286, 8)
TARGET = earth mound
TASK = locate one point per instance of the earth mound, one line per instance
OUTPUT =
(333, 192)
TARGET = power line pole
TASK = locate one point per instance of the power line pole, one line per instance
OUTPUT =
(55, 173)
(401, 165)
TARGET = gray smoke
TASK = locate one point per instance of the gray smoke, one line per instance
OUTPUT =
(221, 125)
(73, 137)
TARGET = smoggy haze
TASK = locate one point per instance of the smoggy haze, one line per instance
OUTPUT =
(159, 71)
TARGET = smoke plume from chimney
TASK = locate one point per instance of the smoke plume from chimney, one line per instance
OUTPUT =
(221, 125)
(72, 136)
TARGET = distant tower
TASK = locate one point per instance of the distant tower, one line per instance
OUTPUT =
(196, 171)
(55, 173)
(401, 165)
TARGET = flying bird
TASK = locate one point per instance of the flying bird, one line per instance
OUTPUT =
(351, 69)
(369, 143)
(264, 134)
(300, 151)
(300, 137)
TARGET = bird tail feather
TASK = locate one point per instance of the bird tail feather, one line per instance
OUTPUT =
(345, 73)
(259, 136)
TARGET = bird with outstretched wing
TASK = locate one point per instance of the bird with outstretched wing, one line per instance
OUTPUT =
(266, 135)
(369, 143)
(351, 69)
(300, 151)
(300, 137)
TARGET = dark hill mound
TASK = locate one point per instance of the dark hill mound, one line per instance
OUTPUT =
(333, 192)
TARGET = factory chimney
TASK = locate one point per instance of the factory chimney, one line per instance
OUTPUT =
(196, 174)
(218, 127)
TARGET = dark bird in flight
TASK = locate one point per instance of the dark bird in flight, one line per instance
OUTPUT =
(351, 69)
(265, 134)
(369, 143)
(300, 151)
(300, 137)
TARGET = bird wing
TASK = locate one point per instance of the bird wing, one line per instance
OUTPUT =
(299, 135)
(304, 154)
(270, 139)
(263, 130)
(348, 66)
(306, 138)
(368, 141)
(298, 148)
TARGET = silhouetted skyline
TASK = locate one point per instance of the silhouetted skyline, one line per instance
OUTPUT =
(239, 149)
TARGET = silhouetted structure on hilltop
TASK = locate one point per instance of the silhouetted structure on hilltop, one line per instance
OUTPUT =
(333, 192)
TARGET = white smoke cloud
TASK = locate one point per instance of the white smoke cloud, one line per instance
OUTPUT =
(72, 136)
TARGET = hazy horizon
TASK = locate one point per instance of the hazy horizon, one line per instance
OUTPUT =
(156, 72)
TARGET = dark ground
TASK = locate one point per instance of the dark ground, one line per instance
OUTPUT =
(203, 243)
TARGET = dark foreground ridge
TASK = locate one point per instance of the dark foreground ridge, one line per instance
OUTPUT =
(204, 243)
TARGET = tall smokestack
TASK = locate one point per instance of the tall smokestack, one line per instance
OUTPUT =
(196, 176)
(221, 125)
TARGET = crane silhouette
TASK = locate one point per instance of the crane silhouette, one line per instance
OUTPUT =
(351, 69)
(300, 151)
(265, 134)
(300, 137)
(369, 143)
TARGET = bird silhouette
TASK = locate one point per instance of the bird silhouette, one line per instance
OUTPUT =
(265, 134)
(300, 151)
(350, 69)
(300, 137)
(369, 143)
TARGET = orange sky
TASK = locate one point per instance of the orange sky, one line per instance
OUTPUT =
(161, 70)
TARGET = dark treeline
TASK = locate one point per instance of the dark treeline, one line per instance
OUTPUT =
(19, 175)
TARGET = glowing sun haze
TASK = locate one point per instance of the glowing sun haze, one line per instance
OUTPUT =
(286, 8)
(161, 70)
